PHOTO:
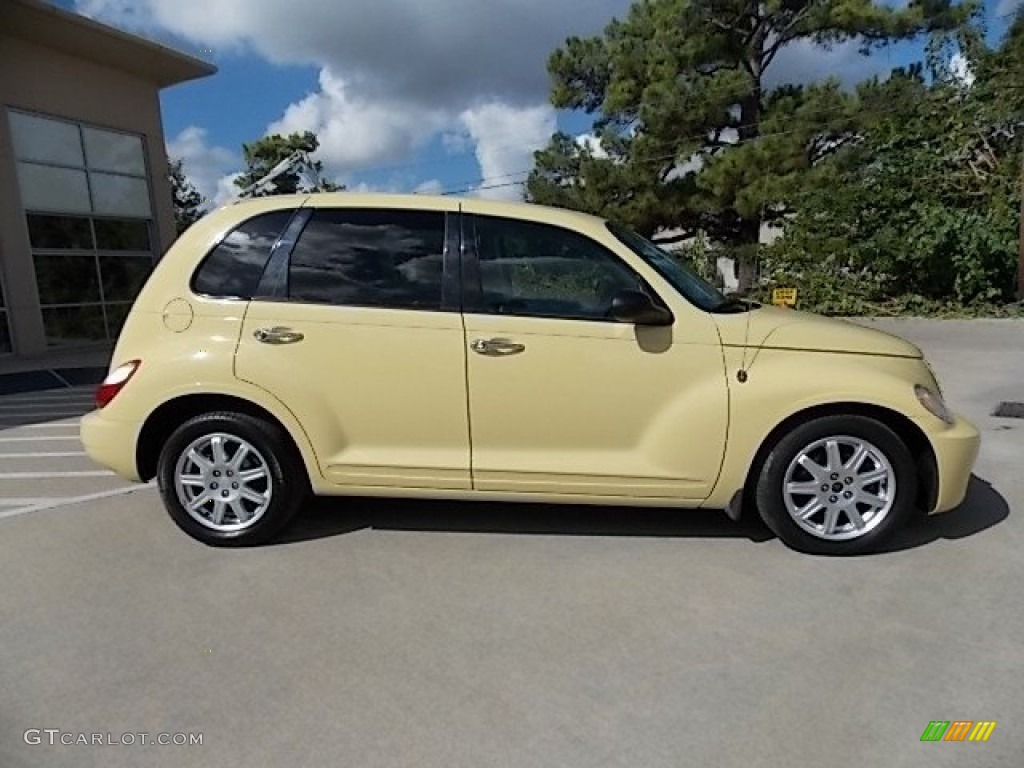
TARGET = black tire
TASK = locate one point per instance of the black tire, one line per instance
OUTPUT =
(771, 481)
(288, 481)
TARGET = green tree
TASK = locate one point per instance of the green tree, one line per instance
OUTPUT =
(924, 206)
(691, 136)
(187, 200)
(262, 155)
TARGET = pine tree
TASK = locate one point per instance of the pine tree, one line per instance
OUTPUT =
(691, 135)
(187, 200)
(262, 155)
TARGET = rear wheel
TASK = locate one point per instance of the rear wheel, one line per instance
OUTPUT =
(837, 485)
(229, 479)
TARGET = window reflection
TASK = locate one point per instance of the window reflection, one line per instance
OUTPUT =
(59, 232)
(116, 315)
(233, 269)
(123, 195)
(46, 188)
(123, 276)
(370, 258)
(122, 234)
(67, 278)
(49, 141)
(109, 151)
(75, 325)
(88, 269)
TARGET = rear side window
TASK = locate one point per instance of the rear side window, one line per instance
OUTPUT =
(233, 268)
(370, 258)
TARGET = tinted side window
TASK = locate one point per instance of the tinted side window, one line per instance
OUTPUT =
(370, 258)
(233, 268)
(536, 269)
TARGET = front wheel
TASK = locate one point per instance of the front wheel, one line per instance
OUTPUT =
(837, 485)
(229, 479)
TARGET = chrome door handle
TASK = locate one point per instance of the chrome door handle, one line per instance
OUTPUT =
(277, 335)
(497, 347)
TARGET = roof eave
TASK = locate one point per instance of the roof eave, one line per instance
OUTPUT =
(54, 27)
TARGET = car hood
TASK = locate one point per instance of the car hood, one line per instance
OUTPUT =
(778, 328)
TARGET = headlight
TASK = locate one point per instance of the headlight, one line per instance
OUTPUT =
(933, 403)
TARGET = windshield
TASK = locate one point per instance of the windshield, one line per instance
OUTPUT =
(694, 288)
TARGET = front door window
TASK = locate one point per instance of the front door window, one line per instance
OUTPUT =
(537, 270)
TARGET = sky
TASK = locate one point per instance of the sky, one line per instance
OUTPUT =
(404, 95)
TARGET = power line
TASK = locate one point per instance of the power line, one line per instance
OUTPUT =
(675, 144)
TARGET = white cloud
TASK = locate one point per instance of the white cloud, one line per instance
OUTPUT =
(431, 52)
(506, 138)
(356, 132)
(456, 143)
(352, 136)
(226, 189)
(960, 68)
(204, 165)
(803, 61)
(1007, 7)
(395, 74)
(431, 187)
(681, 171)
(592, 144)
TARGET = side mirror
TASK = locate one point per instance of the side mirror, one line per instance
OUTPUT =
(638, 308)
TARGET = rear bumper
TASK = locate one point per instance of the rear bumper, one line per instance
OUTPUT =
(111, 443)
(956, 449)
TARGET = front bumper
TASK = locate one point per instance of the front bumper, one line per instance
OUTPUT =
(111, 443)
(956, 449)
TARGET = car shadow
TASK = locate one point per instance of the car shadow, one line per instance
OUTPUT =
(983, 508)
(327, 517)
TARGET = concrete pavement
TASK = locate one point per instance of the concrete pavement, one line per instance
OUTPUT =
(42, 461)
(382, 633)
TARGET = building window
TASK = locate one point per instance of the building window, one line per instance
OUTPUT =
(86, 197)
(88, 271)
(70, 168)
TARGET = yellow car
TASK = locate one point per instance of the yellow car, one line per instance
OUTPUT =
(412, 346)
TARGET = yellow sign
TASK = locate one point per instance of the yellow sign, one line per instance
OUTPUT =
(784, 297)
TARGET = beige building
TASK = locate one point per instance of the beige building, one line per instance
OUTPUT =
(85, 201)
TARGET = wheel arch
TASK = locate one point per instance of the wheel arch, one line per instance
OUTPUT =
(161, 423)
(911, 435)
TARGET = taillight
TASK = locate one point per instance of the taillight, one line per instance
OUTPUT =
(115, 382)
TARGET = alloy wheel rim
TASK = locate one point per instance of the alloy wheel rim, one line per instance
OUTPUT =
(839, 488)
(223, 482)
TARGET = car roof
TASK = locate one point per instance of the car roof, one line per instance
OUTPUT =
(516, 210)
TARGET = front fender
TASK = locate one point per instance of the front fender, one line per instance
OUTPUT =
(782, 383)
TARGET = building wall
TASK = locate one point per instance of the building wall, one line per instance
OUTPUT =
(38, 79)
